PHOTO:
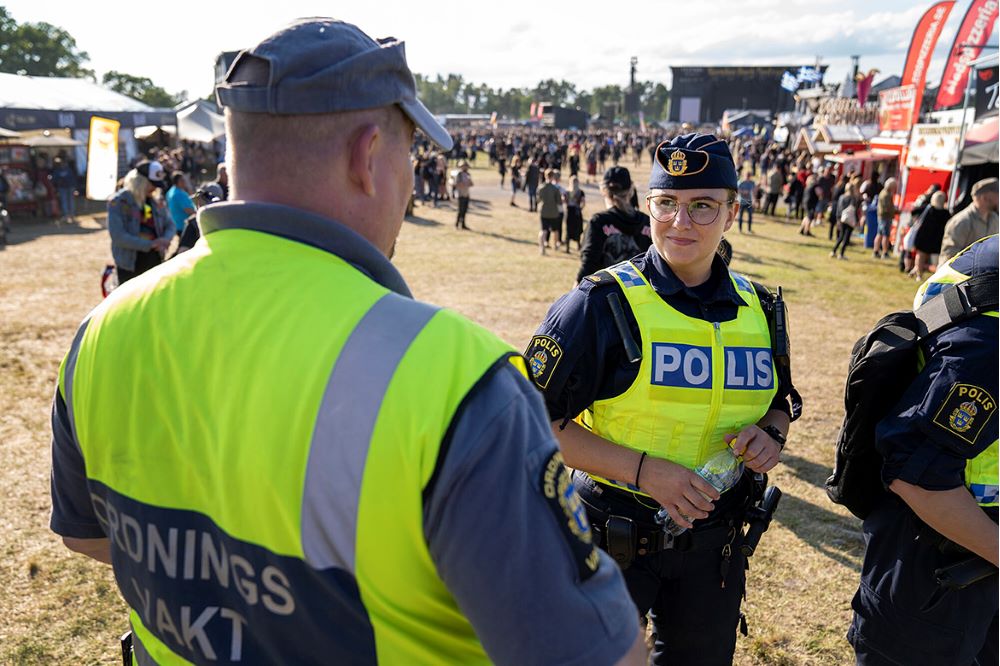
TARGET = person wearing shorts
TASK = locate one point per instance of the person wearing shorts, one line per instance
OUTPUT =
(550, 210)
(886, 211)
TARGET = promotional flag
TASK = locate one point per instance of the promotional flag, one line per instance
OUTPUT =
(809, 75)
(865, 85)
(102, 158)
(969, 41)
(925, 38)
(531, 111)
(789, 82)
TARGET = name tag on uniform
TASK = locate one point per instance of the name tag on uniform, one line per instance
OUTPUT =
(690, 366)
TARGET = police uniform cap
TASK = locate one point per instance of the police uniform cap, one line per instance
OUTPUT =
(693, 161)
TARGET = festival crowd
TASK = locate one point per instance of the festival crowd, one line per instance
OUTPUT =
(774, 180)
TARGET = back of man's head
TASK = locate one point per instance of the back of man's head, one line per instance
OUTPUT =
(295, 102)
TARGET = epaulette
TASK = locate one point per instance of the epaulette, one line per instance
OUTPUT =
(599, 278)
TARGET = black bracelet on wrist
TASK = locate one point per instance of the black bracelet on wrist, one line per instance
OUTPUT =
(638, 470)
(776, 435)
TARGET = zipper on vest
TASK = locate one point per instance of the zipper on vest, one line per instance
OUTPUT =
(718, 384)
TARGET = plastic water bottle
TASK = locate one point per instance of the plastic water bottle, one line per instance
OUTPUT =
(723, 471)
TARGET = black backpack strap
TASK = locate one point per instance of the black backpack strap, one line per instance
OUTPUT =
(966, 299)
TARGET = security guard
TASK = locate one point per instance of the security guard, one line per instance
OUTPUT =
(313, 480)
(939, 445)
(700, 376)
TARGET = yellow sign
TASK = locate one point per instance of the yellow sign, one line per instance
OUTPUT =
(102, 158)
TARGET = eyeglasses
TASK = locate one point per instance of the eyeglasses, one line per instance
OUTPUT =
(701, 211)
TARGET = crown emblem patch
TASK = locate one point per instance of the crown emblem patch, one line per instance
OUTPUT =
(677, 164)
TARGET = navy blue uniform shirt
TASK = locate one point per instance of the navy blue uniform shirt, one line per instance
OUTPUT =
(921, 443)
(590, 363)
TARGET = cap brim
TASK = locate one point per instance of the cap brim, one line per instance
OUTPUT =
(423, 119)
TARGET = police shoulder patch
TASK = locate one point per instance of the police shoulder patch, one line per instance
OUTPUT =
(543, 356)
(600, 277)
(560, 495)
(965, 412)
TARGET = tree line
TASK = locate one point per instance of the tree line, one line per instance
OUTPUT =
(453, 94)
(43, 49)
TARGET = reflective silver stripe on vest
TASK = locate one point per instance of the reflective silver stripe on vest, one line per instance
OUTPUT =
(344, 427)
(74, 351)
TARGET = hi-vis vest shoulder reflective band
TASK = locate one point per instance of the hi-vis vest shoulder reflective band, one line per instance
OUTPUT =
(982, 473)
(697, 380)
(262, 489)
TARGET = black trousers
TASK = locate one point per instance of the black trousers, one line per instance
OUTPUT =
(844, 232)
(772, 203)
(143, 262)
(894, 619)
(463, 208)
(695, 609)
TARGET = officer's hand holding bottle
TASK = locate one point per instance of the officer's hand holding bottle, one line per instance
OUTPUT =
(684, 494)
(760, 453)
(722, 470)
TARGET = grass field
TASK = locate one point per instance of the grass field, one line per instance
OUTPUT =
(56, 607)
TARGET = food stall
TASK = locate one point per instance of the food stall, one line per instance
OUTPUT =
(17, 169)
(930, 160)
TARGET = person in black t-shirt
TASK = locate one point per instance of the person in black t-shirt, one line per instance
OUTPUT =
(618, 233)
(207, 194)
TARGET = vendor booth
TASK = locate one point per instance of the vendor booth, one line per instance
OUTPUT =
(64, 107)
(200, 122)
(930, 160)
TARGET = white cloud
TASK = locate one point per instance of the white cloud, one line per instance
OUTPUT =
(513, 43)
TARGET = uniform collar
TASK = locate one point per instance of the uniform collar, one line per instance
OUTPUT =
(307, 228)
(666, 283)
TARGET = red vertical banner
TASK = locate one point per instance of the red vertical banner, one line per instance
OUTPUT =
(976, 28)
(925, 38)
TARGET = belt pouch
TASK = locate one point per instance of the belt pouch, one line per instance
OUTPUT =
(621, 539)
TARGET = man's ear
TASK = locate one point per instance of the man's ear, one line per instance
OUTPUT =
(362, 164)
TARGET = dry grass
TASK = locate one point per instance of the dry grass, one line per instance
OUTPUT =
(56, 607)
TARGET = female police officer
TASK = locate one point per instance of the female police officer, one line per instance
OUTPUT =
(636, 428)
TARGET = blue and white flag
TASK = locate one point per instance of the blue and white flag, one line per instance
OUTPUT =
(809, 75)
(789, 82)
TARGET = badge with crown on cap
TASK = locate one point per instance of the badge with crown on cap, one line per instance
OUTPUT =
(677, 165)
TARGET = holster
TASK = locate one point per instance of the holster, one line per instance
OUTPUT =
(620, 536)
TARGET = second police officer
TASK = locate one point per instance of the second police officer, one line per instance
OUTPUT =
(635, 429)
(939, 445)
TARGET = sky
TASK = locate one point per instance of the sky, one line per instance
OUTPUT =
(510, 43)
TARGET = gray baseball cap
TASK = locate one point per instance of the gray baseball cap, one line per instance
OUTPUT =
(322, 65)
